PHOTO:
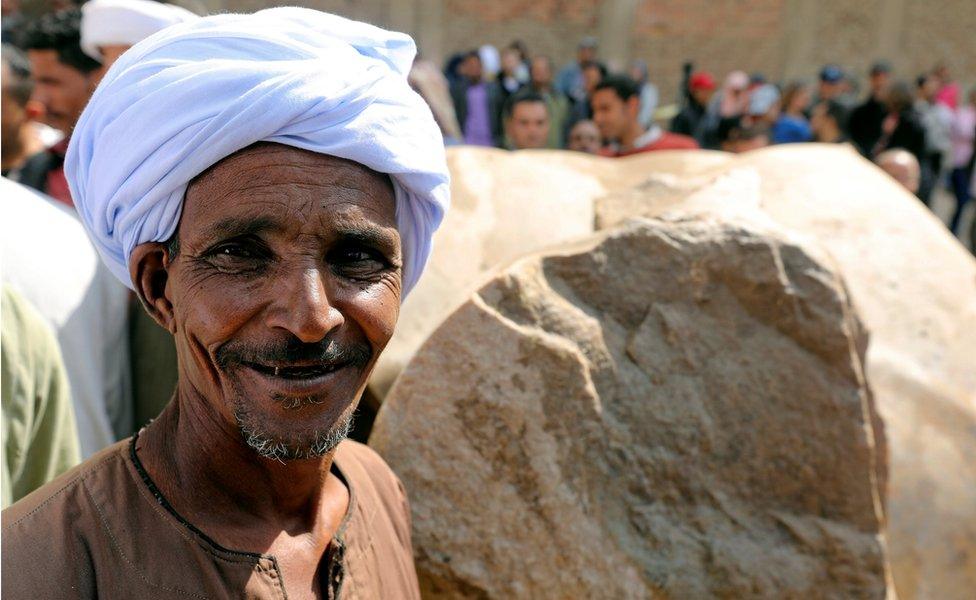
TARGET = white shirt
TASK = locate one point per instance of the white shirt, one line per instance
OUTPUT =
(46, 256)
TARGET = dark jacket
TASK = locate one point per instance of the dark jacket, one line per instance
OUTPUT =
(864, 125)
(908, 134)
(459, 95)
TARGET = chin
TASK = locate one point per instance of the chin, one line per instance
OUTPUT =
(294, 419)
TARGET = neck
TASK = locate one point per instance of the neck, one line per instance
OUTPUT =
(212, 478)
(630, 136)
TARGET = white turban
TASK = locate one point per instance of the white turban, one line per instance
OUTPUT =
(189, 96)
(125, 22)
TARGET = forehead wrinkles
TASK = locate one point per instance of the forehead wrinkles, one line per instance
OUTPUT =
(291, 180)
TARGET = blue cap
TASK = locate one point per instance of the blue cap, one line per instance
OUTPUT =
(831, 74)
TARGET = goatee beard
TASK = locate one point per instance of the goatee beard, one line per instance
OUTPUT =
(315, 445)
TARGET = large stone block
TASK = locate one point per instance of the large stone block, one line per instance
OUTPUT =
(914, 286)
(671, 409)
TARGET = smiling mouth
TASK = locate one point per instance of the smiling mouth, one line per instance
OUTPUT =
(296, 372)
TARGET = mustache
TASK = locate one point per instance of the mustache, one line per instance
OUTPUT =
(293, 350)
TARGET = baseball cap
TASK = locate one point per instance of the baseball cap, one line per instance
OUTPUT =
(762, 99)
(831, 74)
(702, 80)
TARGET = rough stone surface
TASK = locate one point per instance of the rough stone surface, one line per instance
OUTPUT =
(673, 409)
(506, 205)
(914, 287)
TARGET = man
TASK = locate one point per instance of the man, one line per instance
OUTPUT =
(616, 105)
(273, 199)
(540, 82)
(937, 122)
(640, 73)
(21, 137)
(585, 137)
(827, 122)
(39, 439)
(693, 118)
(833, 85)
(902, 166)
(64, 79)
(764, 104)
(903, 128)
(570, 82)
(49, 260)
(110, 27)
(581, 107)
(526, 121)
(865, 120)
(478, 104)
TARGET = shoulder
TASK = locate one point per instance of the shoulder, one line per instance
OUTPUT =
(62, 494)
(677, 141)
(25, 333)
(375, 486)
(51, 536)
(365, 466)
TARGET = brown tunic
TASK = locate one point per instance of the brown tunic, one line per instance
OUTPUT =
(102, 530)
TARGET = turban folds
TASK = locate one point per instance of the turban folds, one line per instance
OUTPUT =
(125, 22)
(191, 95)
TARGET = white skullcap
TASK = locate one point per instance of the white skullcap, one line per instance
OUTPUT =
(182, 100)
(125, 22)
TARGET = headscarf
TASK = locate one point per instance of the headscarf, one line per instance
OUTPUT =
(125, 22)
(195, 93)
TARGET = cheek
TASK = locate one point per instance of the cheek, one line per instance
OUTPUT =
(375, 310)
(208, 311)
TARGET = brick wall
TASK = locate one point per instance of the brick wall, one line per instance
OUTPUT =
(781, 38)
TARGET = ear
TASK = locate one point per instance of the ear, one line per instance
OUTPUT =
(148, 267)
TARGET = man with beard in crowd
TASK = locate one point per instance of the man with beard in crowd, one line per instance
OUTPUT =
(616, 106)
(274, 235)
(865, 120)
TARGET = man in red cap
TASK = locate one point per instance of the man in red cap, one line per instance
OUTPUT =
(693, 118)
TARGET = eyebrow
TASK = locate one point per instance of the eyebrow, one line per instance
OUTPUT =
(238, 226)
(369, 235)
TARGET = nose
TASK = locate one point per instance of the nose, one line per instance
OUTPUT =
(302, 306)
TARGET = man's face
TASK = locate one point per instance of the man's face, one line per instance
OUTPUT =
(829, 90)
(585, 137)
(510, 61)
(528, 127)
(541, 72)
(472, 68)
(612, 114)
(284, 290)
(702, 95)
(63, 90)
(585, 54)
(879, 83)
(591, 78)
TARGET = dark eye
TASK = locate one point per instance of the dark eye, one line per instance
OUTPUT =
(234, 250)
(237, 256)
(357, 262)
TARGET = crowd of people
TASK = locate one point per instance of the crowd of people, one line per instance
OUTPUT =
(921, 132)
